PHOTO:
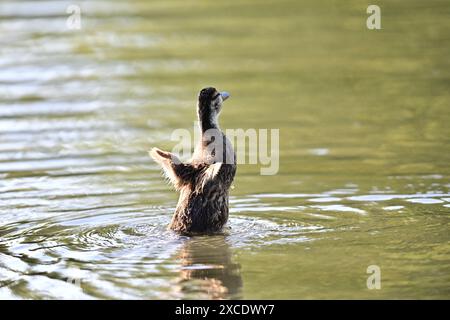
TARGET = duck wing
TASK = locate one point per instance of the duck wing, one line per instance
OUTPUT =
(178, 173)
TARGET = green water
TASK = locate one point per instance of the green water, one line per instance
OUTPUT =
(364, 148)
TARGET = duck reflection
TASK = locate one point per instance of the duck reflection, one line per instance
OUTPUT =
(207, 269)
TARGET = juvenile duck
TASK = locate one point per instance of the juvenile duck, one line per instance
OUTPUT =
(205, 180)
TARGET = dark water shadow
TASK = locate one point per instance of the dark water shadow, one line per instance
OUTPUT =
(208, 270)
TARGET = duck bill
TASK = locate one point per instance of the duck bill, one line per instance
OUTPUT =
(225, 95)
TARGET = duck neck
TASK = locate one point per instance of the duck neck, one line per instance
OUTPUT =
(208, 122)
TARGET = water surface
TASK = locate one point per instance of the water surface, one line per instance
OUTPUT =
(364, 149)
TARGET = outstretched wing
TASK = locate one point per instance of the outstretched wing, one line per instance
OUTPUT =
(181, 174)
(178, 173)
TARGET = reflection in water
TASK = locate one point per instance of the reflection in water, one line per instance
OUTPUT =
(208, 270)
(363, 119)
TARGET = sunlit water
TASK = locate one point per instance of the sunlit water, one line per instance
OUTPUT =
(364, 149)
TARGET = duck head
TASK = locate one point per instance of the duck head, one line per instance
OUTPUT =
(210, 103)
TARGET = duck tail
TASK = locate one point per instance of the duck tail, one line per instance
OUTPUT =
(178, 173)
